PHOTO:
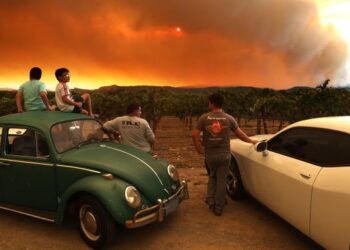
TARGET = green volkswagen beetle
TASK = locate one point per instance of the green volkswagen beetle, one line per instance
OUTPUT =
(55, 162)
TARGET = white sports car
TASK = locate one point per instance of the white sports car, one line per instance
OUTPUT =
(302, 173)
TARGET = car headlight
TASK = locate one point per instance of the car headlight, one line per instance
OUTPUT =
(133, 197)
(172, 172)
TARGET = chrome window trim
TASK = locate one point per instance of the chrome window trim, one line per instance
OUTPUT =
(79, 168)
(28, 162)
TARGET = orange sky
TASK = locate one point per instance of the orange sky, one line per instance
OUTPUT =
(270, 43)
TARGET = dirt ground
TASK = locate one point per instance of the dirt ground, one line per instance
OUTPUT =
(243, 225)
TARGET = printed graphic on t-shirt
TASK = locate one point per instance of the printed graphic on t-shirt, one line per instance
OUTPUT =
(215, 128)
(131, 124)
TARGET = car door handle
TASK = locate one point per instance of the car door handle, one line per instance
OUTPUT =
(4, 163)
(305, 175)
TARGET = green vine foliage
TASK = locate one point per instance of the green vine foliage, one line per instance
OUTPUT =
(187, 104)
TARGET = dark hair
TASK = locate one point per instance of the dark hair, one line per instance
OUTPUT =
(132, 107)
(59, 72)
(35, 73)
(216, 99)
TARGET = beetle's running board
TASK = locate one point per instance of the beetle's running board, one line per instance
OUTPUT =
(34, 213)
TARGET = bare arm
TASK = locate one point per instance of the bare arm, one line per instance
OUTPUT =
(112, 128)
(19, 98)
(45, 100)
(150, 135)
(196, 141)
(242, 136)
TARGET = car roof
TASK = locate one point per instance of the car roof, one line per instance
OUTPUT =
(40, 119)
(340, 123)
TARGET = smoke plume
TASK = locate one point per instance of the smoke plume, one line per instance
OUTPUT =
(270, 43)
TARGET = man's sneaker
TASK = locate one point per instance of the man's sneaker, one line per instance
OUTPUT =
(217, 213)
(212, 208)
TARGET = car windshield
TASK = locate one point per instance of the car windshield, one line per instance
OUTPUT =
(73, 134)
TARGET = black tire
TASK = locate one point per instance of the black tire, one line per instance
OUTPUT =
(234, 186)
(96, 225)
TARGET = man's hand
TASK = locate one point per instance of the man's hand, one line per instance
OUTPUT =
(254, 141)
(196, 141)
(78, 104)
(51, 108)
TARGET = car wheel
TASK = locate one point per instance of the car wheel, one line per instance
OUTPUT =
(234, 186)
(96, 225)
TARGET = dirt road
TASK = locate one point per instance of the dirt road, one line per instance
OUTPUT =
(243, 225)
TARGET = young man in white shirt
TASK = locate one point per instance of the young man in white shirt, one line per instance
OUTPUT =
(65, 101)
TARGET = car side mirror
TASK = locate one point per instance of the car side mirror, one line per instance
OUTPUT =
(261, 146)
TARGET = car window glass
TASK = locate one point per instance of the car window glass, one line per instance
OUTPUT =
(26, 142)
(318, 146)
(42, 147)
(71, 134)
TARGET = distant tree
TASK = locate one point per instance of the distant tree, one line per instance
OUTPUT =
(323, 85)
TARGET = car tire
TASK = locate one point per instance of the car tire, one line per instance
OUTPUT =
(234, 186)
(96, 225)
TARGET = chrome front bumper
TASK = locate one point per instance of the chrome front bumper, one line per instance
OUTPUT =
(159, 211)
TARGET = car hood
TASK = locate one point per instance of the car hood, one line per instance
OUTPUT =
(237, 141)
(262, 137)
(136, 167)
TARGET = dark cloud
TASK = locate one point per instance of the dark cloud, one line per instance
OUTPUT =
(254, 42)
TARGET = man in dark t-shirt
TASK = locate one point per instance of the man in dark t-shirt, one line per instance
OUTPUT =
(216, 127)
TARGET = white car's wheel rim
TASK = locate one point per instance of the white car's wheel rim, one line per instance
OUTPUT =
(232, 182)
(88, 222)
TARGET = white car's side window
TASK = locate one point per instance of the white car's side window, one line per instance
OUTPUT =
(321, 147)
(291, 143)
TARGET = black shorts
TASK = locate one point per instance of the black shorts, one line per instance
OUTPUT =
(76, 109)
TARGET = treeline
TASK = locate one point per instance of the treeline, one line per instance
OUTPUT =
(242, 102)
